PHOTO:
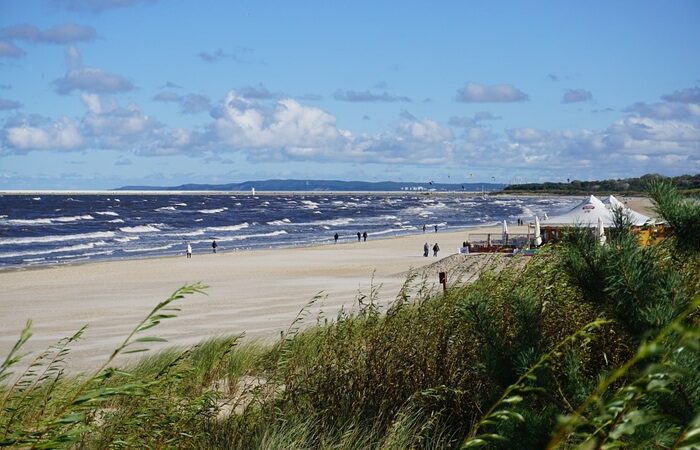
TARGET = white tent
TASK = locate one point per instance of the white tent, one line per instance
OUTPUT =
(587, 213)
(584, 214)
(636, 218)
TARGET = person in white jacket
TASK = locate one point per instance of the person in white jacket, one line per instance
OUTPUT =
(189, 250)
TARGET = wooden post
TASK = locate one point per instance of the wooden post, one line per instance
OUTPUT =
(443, 281)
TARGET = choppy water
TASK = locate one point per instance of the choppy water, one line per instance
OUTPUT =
(54, 229)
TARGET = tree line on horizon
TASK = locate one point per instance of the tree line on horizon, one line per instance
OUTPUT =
(687, 184)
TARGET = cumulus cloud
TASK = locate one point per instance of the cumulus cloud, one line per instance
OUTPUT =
(62, 134)
(576, 95)
(367, 96)
(645, 137)
(293, 128)
(10, 50)
(96, 6)
(6, 105)
(88, 79)
(60, 34)
(499, 93)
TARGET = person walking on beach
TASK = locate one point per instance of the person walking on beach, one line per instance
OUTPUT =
(426, 250)
(359, 236)
(436, 228)
(423, 228)
(364, 236)
(214, 245)
(436, 249)
(335, 237)
(189, 250)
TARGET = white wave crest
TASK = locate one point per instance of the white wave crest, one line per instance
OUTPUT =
(284, 221)
(166, 208)
(245, 236)
(185, 233)
(148, 249)
(127, 238)
(67, 237)
(212, 211)
(240, 226)
(46, 220)
(115, 221)
(308, 204)
(106, 213)
(71, 248)
(140, 229)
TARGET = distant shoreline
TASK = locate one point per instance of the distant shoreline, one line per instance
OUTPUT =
(257, 193)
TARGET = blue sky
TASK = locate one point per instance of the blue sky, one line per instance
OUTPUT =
(102, 93)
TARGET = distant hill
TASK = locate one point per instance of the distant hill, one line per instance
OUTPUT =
(685, 183)
(322, 185)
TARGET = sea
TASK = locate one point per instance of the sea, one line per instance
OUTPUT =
(51, 229)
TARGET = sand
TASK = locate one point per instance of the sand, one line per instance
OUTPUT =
(258, 293)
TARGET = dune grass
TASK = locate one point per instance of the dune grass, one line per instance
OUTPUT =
(581, 346)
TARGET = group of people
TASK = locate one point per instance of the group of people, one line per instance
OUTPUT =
(360, 237)
(188, 250)
(426, 249)
(434, 226)
(520, 222)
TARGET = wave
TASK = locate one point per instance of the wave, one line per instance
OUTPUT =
(245, 236)
(139, 229)
(36, 198)
(308, 204)
(66, 237)
(115, 221)
(106, 213)
(240, 226)
(284, 221)
(391, 230)
(127, 239)
(46, 220)
(212, 211)
(83, 255)
(148, 249)
(71, 248)
(179, 204)
(166, 208)
(185, 233)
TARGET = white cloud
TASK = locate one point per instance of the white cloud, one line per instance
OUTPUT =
(244, 123)
(60, 135)
(88, 79)
(499, 93)
(646, 136)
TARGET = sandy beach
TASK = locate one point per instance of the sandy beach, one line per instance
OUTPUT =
(253, 292)
(256, 292)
